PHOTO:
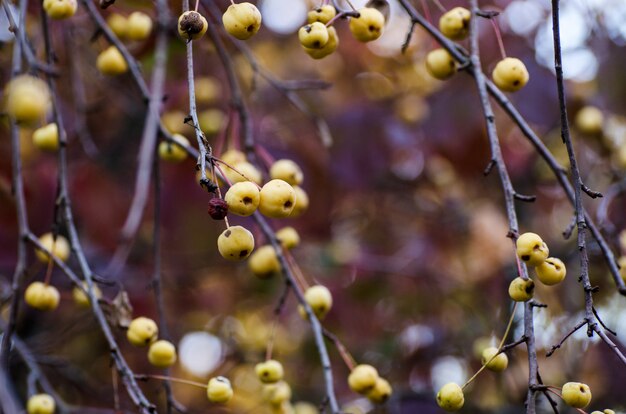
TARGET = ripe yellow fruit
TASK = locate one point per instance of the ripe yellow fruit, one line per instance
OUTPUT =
(40, 404)
(235, 243)
(41, 296)
(233, 156)
(111, 62)
(263, 262)
(174, 122)
(162, 354)
(81, 298)
(118, 24)
(59, 247)
(276, 394)
(551, 272)
(243, 198)
(329, 47)
(450, 397)
(219, 390)
(27, 99)
(270, 371)
(440, 64)
(319, 299)
(510, 75)
(590, 120)
(381, 391)
(207, 90)
(192, 25)
(531, 249)
(454, 24)
(313, 36)
(142, 331)
(498, 363)
(243, 171)
(302, 202)
(288, 237)
(363, 378)
(368, 26)
(322, 14)
(139, 26)
(278, 199)
(211, 121)
(607, 411)
(576, 394)
(46, 138)
(60, 9)
(171, 151)
(288, 171)
(521, 290)
(242, 20)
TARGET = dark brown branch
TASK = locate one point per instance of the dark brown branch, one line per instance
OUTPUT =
(562, 341)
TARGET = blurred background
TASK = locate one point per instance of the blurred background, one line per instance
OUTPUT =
(402, 227)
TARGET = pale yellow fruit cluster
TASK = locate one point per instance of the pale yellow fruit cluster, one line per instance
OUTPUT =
(364, 379)
(144, 331)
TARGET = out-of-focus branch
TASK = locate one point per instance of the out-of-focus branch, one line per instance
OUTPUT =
(63, 204)
(560, 173)
(316, 326)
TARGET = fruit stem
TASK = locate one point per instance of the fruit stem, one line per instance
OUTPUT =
(270, 342)
(145, 377)
(496, 29)
(300, 279)
(50, 262)
(230, 184)
(506, 333)
(219, 192)
(440, 6)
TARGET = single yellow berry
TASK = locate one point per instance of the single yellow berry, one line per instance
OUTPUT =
(41, 296)
(243, 171)
(263, 262)
(328, 48)
(319, 299)
(60, 9)
(243, 198)
(576, 394)
(142, 331)
(381, 391)
(510, 75)
(363, 378)
(242, 20)
(233, 156)
(590, 120)
(59, 247)
(454, 24)
(302, 202)
(288, 171)
(174, 122)
(235, 243)
(270, 371)
(498, 363)
(531, 249)
(162, 354)
(212, 121)
(313, 36)
(139, 26)
(322, 14)
(288, 237)
(207, 90)
(192, 25)
(440, 64)
(450, 397)
(111, 62)
(521, 290)
(276, 394)
(118, 24)
(27, 99)
(171, 151)
(219, 390)
(40, 404)
(46, 138)
(368, 26)
(277, 199)
(551, 272)
(81, 298)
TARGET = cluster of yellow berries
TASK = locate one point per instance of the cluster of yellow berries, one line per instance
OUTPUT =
(241, 20)
(364, 379)
(276, 392)
(509, 74)
(533, 251)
